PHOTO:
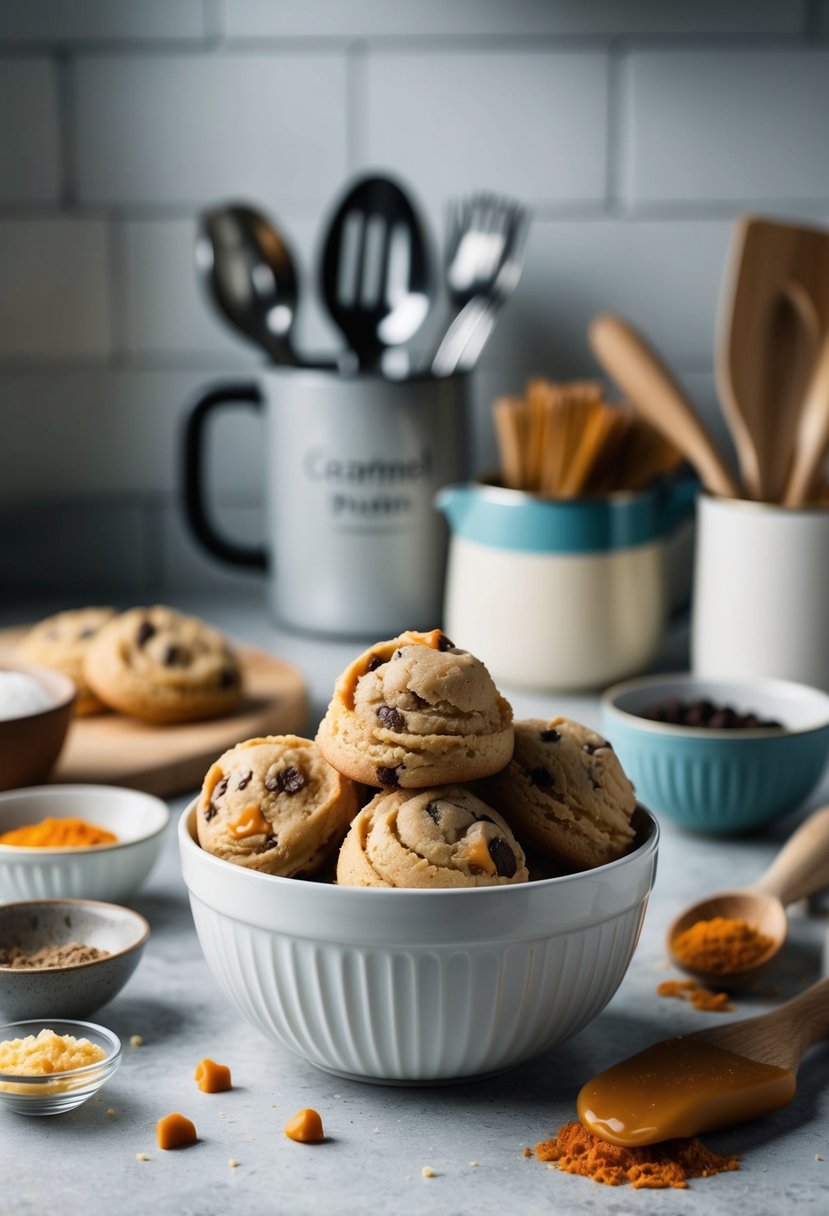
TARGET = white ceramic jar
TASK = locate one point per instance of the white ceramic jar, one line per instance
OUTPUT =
(560, 594)
(761, 589)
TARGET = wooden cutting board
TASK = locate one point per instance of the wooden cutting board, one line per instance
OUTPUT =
(111, 749)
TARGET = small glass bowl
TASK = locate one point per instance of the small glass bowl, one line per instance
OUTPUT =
(57, 1092)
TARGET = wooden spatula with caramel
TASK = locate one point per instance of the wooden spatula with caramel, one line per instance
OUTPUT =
(698, 1082)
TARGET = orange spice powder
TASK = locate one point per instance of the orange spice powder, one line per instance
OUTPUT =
(721, 945)
(655, 1166)
(51, 833)
(701, 998)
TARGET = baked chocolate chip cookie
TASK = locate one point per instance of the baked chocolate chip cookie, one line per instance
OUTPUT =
(440, 837)
(62, 642)
(275, 805)
(414, 712)
(161, 666)
(565, 793)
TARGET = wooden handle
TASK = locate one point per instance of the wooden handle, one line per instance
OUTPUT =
(802, 866)
(781, 1036)
(644, 378)
(812, 433)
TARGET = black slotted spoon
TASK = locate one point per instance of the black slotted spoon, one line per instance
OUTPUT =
(376, 279)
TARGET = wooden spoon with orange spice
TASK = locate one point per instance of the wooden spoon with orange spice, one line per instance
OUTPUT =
(727, 939)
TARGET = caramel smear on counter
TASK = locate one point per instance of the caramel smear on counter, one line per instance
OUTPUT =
(701, 998)
(212, 1078)
(575, 1150)
(305, 1127)
(680, 1087)
(175, 1131)
(52, 833)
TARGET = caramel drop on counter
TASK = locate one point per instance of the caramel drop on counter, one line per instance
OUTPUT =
(212, 1078)
(175, 1131)
(251, 822)
(680, 1087)
(306, 1127)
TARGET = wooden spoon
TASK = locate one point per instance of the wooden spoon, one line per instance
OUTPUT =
(656, 396)
(801, 868)
(812, 439)
(774, 315)
(698, 1082)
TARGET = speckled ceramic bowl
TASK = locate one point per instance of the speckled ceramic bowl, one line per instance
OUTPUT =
(69, 991)
(418, 986)
(30, 745)
(720, 781)
(59, 1091)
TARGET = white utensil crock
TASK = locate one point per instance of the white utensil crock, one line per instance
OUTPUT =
(761, 590)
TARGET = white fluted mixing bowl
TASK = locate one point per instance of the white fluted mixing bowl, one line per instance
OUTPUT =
(403, 986)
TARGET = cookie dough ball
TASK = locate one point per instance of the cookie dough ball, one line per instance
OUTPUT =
(416, 712)
(275, 805)
(62, 642)
(161, 666)
(439, 837)
(565, 793)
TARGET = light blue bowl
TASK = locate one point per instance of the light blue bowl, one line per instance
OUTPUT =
(720, 781)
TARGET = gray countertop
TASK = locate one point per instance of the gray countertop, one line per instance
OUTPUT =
(471, 1135)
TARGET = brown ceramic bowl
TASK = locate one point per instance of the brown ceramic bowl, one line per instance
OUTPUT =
(30, 746)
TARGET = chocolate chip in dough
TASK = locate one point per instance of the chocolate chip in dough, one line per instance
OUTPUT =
(288, 780)
(444, 643)
(174, 656)
(221, 788)
(374, 662)
(228, 677)
(210, 813)
(542, 777)
(88, 632)
(245, 780)
(433, 811)
(391, 718)
(503, 856)
(145, 631)
(387, 776)
(270, 842)
(550, 736)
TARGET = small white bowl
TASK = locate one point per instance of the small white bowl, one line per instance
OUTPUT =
(109, 872)
(58, 1092)
(418, 986)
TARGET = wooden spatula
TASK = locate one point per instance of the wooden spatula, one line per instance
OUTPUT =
(774, 312)
(699, 1082)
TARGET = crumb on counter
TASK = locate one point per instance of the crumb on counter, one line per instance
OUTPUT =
(474, 1164)
(141, 1157)
(233, 1163)
(111, 1112)
(818, 1157)
(136, 1040)
(527, 1151)
(427, 1172)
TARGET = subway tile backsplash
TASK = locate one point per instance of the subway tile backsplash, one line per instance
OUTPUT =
(637, 131)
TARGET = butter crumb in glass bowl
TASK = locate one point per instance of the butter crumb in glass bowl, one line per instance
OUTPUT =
(46, 1069)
